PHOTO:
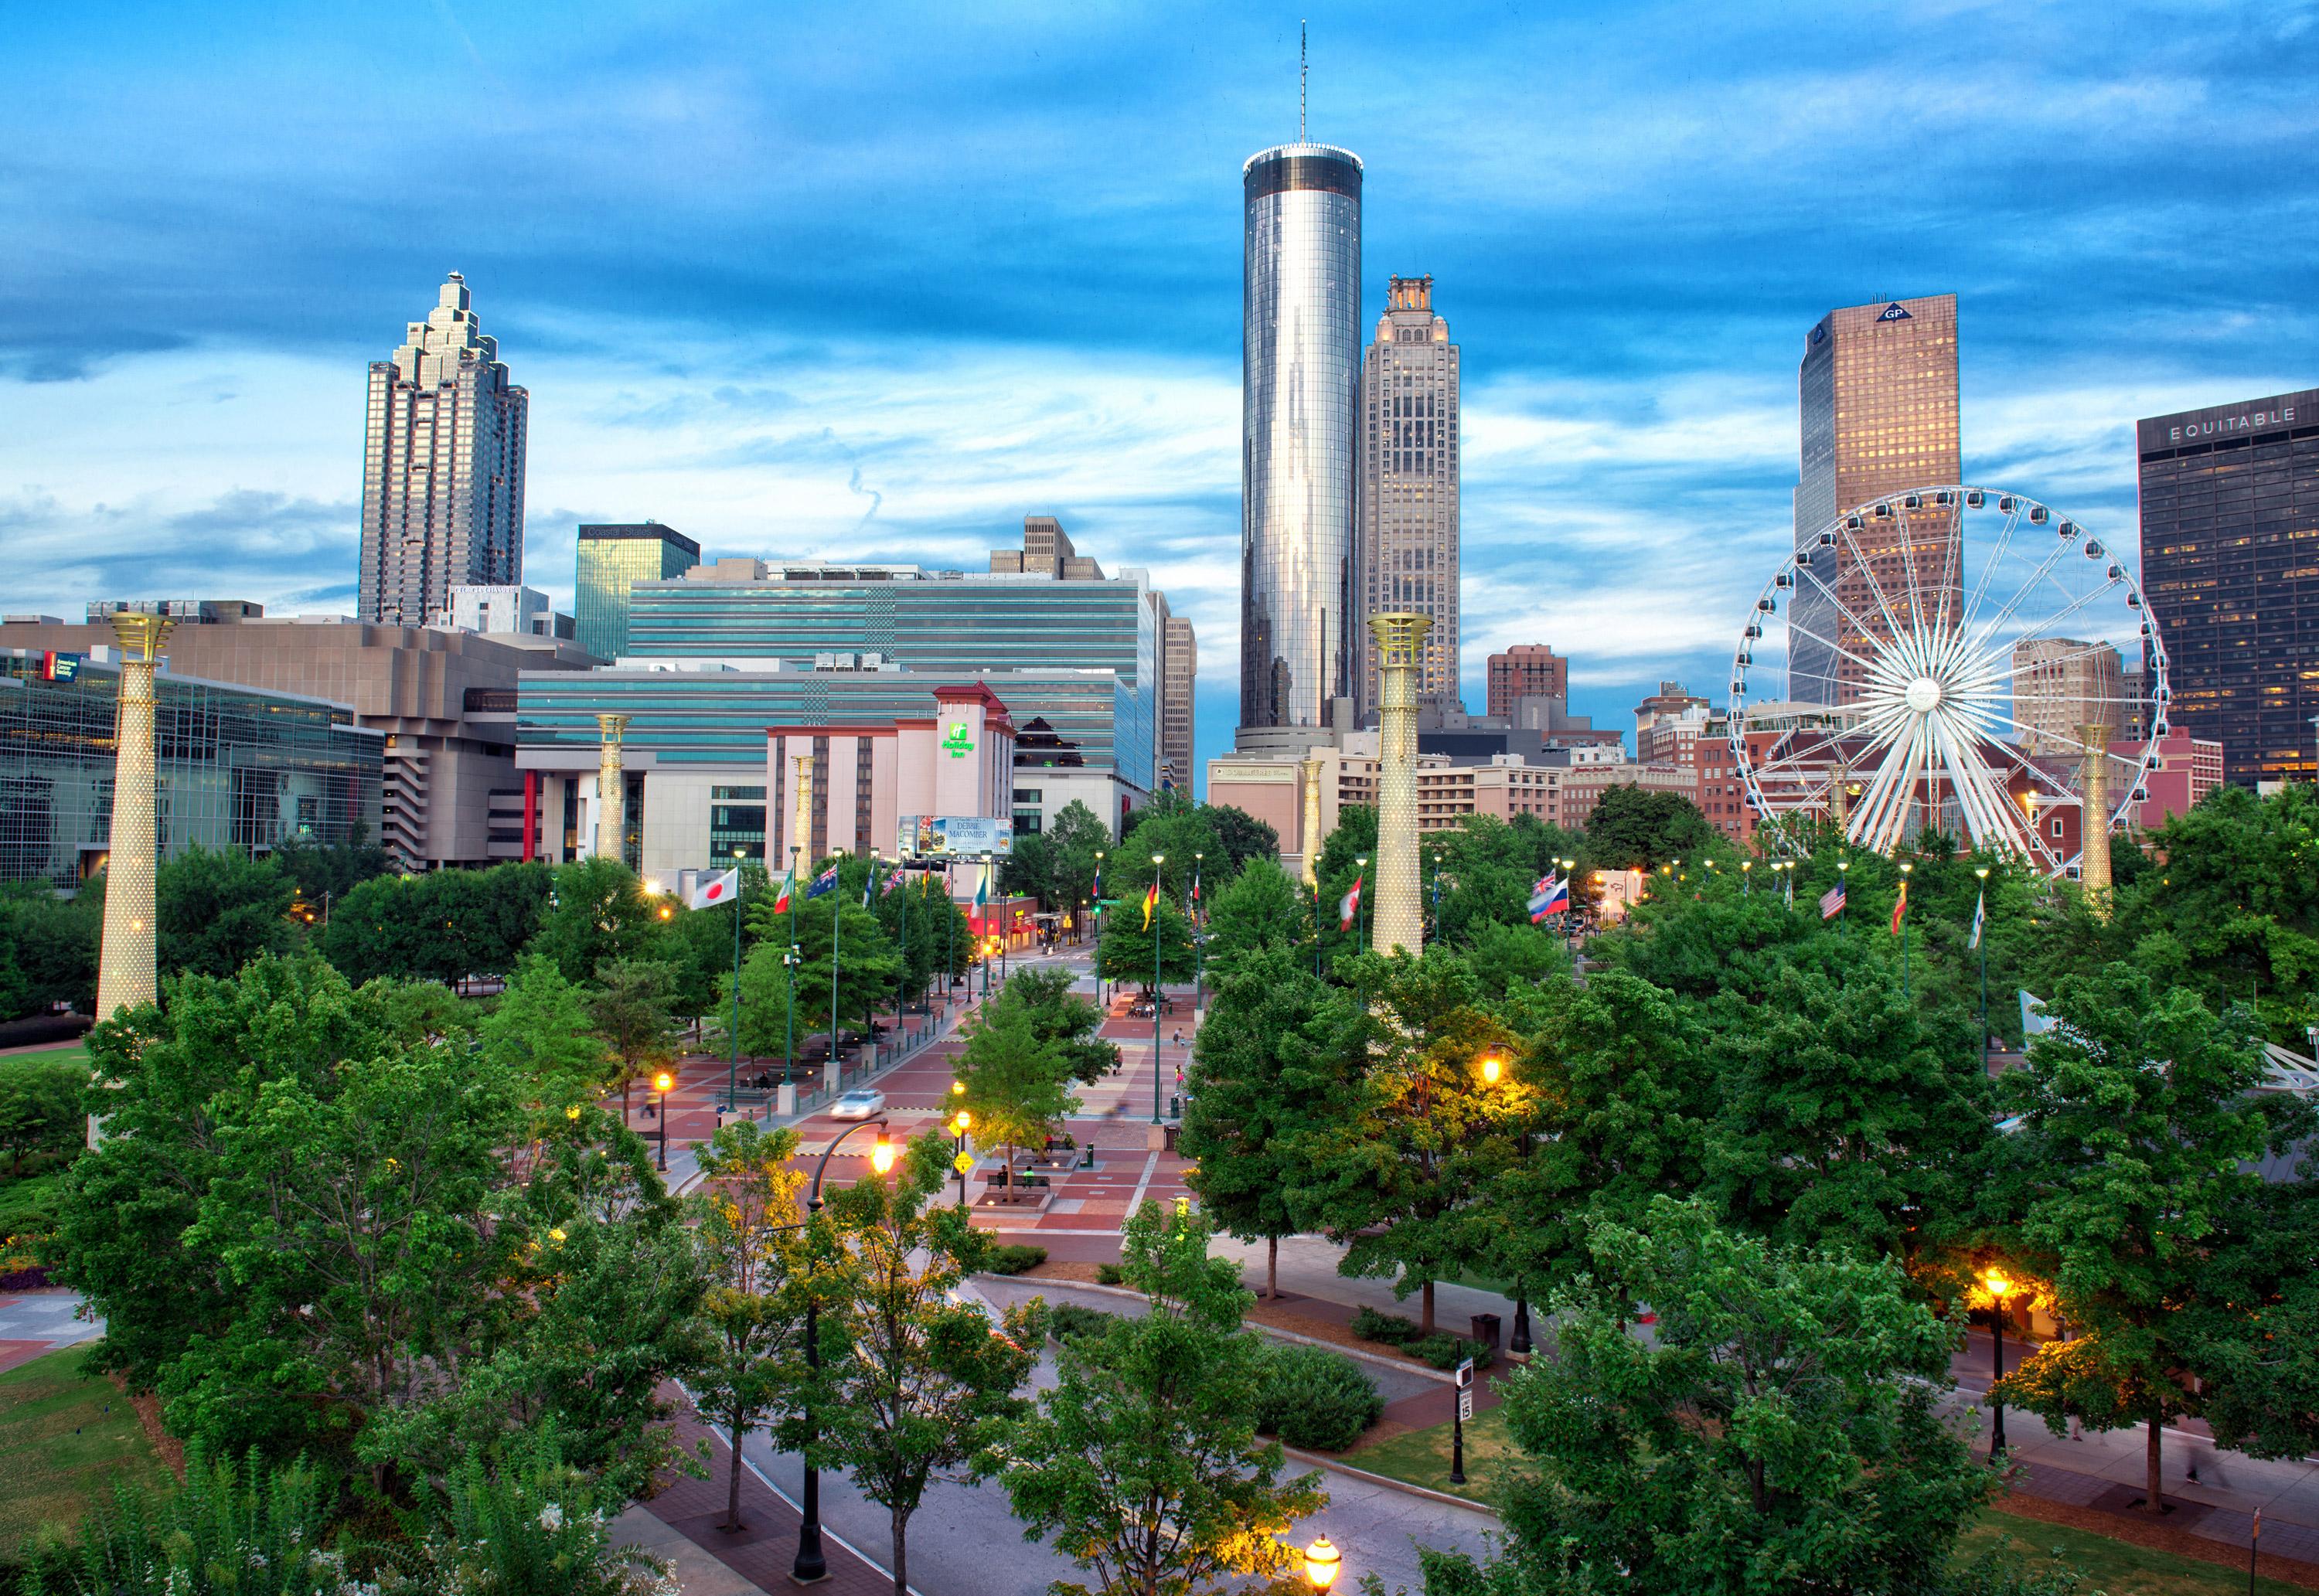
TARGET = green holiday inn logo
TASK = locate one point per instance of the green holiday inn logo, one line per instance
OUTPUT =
(956, 742)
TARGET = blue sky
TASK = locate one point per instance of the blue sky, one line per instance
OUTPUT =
(878, 280)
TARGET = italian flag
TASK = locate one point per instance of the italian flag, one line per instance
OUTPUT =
(788, 885)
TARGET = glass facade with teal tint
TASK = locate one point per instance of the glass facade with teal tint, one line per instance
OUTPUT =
(611, 559)
(938, 627)
(719, 718)
(238, 768)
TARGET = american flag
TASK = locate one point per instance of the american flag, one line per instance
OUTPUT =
(1831, 902)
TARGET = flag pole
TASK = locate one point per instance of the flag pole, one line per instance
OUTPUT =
(733, 1069)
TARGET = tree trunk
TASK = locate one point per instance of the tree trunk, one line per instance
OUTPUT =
(2153, 1490)
(1272, 1267)
(733, 1487)
(901, 1553)
(1425, 1316)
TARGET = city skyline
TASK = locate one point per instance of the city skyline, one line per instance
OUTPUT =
(184, 396)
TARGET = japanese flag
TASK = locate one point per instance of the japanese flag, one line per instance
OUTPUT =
(715, 890)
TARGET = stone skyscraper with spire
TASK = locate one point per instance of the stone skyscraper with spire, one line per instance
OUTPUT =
(442, 468)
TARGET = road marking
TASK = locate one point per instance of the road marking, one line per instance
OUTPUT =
(1151, 1166)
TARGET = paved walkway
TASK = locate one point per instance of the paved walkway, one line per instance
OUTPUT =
(35, 1322)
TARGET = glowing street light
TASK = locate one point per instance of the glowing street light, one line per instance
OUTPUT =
(1322, 1564)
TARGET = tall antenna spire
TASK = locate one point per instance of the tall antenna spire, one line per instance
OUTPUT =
(1301, 70)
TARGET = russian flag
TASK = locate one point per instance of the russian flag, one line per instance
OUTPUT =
(1549, 897)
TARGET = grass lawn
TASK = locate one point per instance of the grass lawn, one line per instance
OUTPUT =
(63, 1050)
(2116, 1567)
(59, 1446)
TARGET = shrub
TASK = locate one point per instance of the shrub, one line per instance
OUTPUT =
(1311, 1397)
(1446, 1351)
(1067, 1320)
(1009, 1260)
(263, 1523)
(1373, 1326)
(1110, 1275)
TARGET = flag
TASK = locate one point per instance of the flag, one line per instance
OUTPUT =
(893, 878)
(1901, 907)
(1831, 902)
(1549, 897)
(869, 886)
(1980, 916)
(1099, 883)
(1350, 907)
(1196, 886)
(825, 883)
(982, 894)
(715, 890)
(789, 887)
(1150, 901)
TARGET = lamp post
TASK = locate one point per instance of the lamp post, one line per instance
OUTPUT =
(1997, 1286)
(664, 1083)
(733, 1069)
(836, 924)
(902, 981)
(1199, 946)
(1906, 867)
(811, 1566)
(1843, 869)
(1436, 930)
(789, 961)
(1746, 882)
(950, 939)
(1320, 1565)
(1157, 860)
(1098, 928)
(1981, 946)
(1361, 909)
(959, 1125)
(1570, 911)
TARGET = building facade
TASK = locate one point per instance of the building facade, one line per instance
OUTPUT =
(612, 558)
(2230, 513)
(1407, 551)
(1300, 381)
(1667, 723)
(2060, 684)
(237, 768)
(1179, 673)
(444, 701)
(1526, 671)
(1877, 394)
(442, 468)
(519, 611)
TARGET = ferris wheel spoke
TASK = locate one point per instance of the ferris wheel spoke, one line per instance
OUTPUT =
(2044, 568)
(1868, 822)
(1868, 571)
(1866, 630)
(2011, 666)
(1969, 778)
(1953, 561)
(2059, 615)
(1916, 595)
(1980, 587)
(1794, 626)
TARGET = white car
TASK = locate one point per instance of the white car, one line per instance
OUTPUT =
(860, 1103)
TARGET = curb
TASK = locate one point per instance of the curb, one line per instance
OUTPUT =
(1324, 1460)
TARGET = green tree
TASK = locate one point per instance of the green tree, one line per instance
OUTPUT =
(767, 1026)
(1778, 1433)
(599, 912)
(1067, 1021)
(1632, 829)
(326, 872)
(1078, 835)
(866, 964)
(543, 1032)
(1394, 1180)
(2138, 1124)
(746, 1212)
(50, 942)
(1260, 911)
(1182, 835)
(1338, 868)
(1016, 1081)
(1032, 869)
(1142, 1464)
(264, 1528)
(1262, 1067)
(1244, 838)
(1127, 942)
(916, 1384)
(2248, 1336)
(629, 1009)
(40, 1106)
(213, 912)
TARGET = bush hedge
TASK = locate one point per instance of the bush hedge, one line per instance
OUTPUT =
(1110, 1275)
(1311, 1397)
(1067, 1320)
(1009, 1260)
(1441, 1349)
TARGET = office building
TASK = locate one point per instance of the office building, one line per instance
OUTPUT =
(2060, 684)
(1407, 548)
(1877, 394)
(1668, 724)
(1179, 669)
(442, 468)
(519, 611)
(1300, 381)
(237, 768)
(2230, 508)
(700, 791)
(1526, 671)
(442, 700)
(612, 558)
(1046, 551)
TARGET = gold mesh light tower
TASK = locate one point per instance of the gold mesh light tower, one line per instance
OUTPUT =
(801, 806)
(1311, 771)
(1400, 656)
(611, 791)
(2093, 817)
(124, 970)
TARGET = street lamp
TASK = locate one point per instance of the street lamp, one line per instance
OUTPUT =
(664, 1083)
(1321, 1564)
(1997, 1286)
(1843, 868)
(809, 1565)
(789, 961)
(1747, 883)
(1492, 1067)
(1906, 866)
(1157, 860)
(1099, 927)
(1980, 945)
(1199, 947)
(959, 1123)
(1361, 909)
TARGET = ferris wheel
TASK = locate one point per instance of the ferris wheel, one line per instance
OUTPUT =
(1951, 658)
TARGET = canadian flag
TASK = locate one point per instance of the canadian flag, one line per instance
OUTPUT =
(715, 890)
(1350, 907)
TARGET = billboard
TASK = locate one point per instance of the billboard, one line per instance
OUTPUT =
(940, 836)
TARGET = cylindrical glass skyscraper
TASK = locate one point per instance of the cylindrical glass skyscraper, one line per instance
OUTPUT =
(1300, 381)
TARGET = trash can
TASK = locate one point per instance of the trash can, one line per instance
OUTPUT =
(1485, 1329)
(1169, 1144)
